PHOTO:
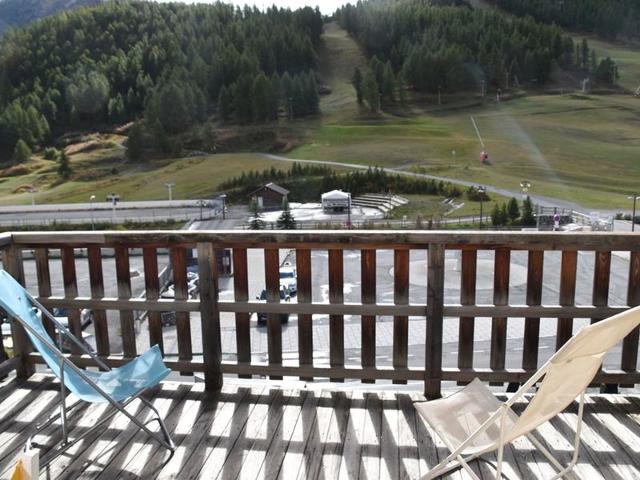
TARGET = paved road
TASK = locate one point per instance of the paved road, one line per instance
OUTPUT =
(104, 212)
(538, 199)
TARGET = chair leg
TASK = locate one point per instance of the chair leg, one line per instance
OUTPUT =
(163, 427)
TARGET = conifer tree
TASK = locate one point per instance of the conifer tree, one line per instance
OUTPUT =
(513, 211)
(64, 166)
(22, 152)
(285, 220)
(528, 219)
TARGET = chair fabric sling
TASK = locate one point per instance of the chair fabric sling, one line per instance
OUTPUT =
(116, 386)
(473, 421)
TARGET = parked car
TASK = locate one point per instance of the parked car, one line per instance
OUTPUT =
(62, 316)
(284, 297)
(288, 277)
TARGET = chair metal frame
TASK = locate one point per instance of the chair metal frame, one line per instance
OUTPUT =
(119, 406)
(456, 459)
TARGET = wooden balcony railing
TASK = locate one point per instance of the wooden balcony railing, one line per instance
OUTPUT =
(435, 312)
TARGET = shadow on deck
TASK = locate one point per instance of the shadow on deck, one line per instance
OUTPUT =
(270, 432)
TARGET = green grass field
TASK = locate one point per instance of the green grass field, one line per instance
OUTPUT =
(196, 177)
(579, 148)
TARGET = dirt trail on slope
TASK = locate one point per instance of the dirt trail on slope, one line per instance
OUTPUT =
(338, 58)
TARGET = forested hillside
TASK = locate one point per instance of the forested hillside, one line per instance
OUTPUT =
(446, 46)
(608, 18)
(172, 63)
(15, 13)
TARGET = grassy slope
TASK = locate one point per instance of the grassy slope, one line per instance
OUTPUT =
(196, 177)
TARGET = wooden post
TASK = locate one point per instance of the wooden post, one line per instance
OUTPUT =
(67, 257)
(368, 329)
(274, 322)
(305, 322)
(127, 325)
(210, 317)
(21, 343)
(630, 343)
(44, 285)
(152, 292)
(435, 308)
(534, 298)
(401, 323)
(241, 294)
(468, 281)
(100, 325)
(500, 298)
(567, 295)
(183, 325)
(336, 322)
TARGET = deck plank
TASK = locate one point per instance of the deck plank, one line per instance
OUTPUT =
(351, 453)
(304, 434)
(319, 430)
(281, 438)
(192, 451)
(114, 446)
(223, 436)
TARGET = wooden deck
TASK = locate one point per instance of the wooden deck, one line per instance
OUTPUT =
(264, 432)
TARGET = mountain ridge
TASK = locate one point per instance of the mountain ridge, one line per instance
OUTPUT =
(17, 13)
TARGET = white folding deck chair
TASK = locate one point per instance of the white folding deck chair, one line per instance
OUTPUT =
(473, 421)
(118, 386)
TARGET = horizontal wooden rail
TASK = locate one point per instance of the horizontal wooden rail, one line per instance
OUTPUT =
(349, 240)
(350, 372)
(375, 309)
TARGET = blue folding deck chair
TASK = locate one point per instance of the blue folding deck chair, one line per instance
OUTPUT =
(118, 386)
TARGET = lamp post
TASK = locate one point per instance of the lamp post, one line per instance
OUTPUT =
(114, 199)
(224, 201)
(349, 213)
(525, 185)
(33, 191)
(170, 186)
(91, 199)
(481, 192)
(633, 197)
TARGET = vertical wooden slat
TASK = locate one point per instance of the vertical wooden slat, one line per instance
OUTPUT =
(435, 309)
(183, 326)
(274, 322)
(100, 326)
(630, 343)
(241, 294)
(468, 281)
(152, 292)
(567, 296)
(44, 284)
(127, 325)
(500, 298)
(368, 328)
(401, 297)
(71, 291)
(305, 325)
(210, 316)
(21, 344)
(601, 276)
(534, 298)
(336, 322)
